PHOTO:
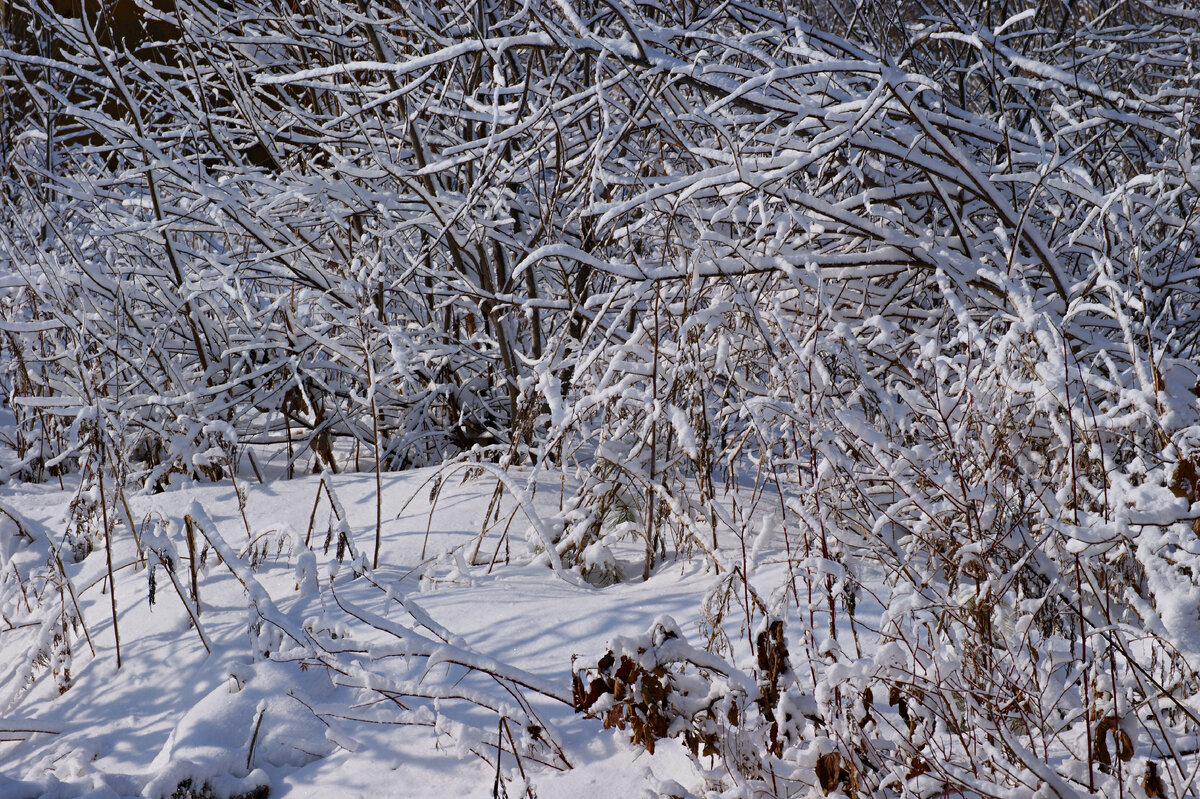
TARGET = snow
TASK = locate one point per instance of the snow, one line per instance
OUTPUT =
(235, 720)
(699, 403)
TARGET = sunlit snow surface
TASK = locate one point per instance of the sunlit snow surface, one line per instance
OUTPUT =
(237, 721)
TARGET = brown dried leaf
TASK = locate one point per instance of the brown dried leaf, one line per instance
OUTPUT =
(776, 744)
(1108, 726)
(1124, 745)
(596, 689)
(658, 725)
(829, 771)
(653, 691)
(1100, 751)
(896, 699)
(1183, 481)
(578, 693)
(916, 768)
(1151, 783)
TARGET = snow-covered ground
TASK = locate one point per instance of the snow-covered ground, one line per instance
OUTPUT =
(237, 719)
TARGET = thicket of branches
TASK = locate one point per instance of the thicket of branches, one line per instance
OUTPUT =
(895, 289)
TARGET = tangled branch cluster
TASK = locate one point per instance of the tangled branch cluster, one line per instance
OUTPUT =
(912, 290)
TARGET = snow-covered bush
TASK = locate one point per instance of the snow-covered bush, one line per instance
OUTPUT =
(911, 291)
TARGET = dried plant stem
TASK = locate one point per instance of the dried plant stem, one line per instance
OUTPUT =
(192, 613)
(193, 561)
(112, 585)
(378, 470)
